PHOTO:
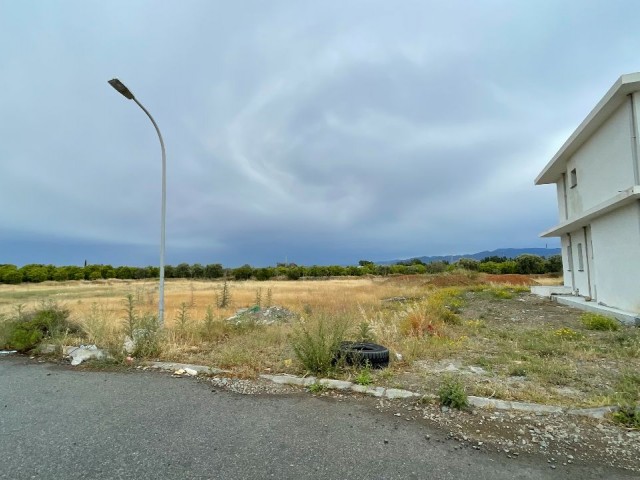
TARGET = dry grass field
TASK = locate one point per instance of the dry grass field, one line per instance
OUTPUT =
(486, 330)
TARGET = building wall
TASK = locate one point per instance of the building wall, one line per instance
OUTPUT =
(604, 164)
(560, 192)
(616, 250)
(579, 273)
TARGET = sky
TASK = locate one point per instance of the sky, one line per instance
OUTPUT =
(301, 131)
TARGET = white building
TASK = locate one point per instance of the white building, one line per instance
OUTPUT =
(597, 174)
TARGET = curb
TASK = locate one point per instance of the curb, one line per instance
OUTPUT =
(396, 393)
(391, 393)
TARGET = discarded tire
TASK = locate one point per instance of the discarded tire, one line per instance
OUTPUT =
(363, 353)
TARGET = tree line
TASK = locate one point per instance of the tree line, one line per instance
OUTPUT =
(36, 273)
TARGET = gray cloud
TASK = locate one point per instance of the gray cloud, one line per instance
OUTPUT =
(324, 132)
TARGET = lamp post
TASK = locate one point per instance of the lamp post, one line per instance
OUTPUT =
(120, 87)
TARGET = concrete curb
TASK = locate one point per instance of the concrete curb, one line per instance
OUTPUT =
(396, 393)
(332, 384)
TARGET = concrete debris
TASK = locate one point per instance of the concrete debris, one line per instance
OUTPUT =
(185, 371)
(172, 367)
(130, 344)
(262, 316)
(8, 352)
(83, 352)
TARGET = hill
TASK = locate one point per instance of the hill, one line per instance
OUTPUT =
(500, 252)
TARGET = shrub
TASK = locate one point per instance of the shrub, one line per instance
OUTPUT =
(315, 344)
(594, 321)
(27, 329)
(364, 377)
(628, 415)
(453, 394)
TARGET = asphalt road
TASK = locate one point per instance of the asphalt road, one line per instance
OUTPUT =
(59, 423)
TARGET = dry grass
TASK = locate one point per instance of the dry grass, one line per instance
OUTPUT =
(530, 351)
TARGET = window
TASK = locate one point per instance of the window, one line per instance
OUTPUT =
(570, 258)
(574, 178)
(580, 260)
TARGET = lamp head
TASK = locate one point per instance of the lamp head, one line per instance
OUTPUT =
(119, 86)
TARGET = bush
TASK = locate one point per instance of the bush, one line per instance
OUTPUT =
(628, 415)
(315, 344)
(594, 321)
(453, 394)
(26, 330)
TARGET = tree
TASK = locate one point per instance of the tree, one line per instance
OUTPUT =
(10, 274)
(34, 273)
(243, 273)
(528, 264)
(183, 270)
(553, 264)
(213, 270)
(468, 264)
(197, 270)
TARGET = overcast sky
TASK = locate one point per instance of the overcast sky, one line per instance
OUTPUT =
(312, 131)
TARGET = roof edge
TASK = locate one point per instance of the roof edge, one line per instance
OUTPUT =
(623, 86)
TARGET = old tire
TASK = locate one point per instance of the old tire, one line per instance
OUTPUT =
(363, 353)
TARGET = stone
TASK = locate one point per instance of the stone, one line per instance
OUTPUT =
(46, 348)
(393, 393)
(191, 371)
(84, 352)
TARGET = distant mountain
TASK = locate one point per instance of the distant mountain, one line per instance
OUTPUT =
(501, 252)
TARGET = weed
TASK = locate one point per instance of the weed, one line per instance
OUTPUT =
(182, 318)
(452, 393)
(258, 300)
(131, 319)
(568, 334)
(315, 343)
(147, 337)
(223, 295)
(364, 376)
(269, 297)
(594, 321)
(628, 415)
(365, 333)
(518, 371)
(317, 388)
(27, 329)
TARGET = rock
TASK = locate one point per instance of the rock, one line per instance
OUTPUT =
(393, 393)
(191, 371)
(84, 352)
(46, 348)
(130, 344)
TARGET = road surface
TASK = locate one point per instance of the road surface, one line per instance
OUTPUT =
(59, 423)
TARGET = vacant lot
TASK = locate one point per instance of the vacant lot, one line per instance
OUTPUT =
(488, 331)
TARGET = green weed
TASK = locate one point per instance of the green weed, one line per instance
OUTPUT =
(452, 393)
(594, 321)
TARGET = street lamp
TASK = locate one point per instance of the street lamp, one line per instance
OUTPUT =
(120, 87)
